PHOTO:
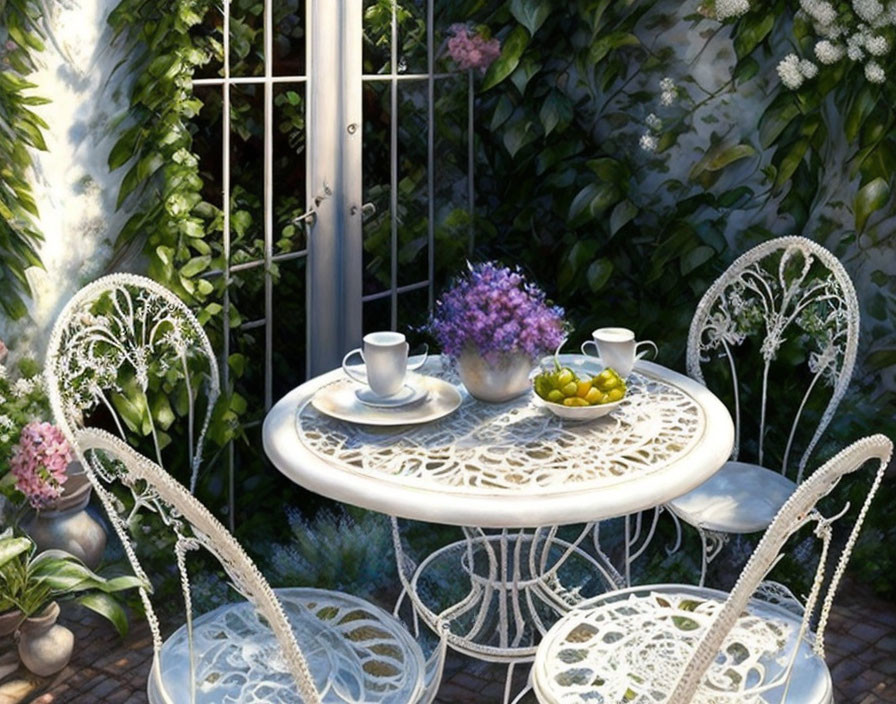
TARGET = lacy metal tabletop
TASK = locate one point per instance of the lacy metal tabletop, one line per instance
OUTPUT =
(508, 474)
(510, 465)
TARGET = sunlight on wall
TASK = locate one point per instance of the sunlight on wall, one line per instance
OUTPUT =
(74, 191)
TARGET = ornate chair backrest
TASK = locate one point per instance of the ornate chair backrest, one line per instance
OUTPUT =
(110, 462)
(797, 512)
(789, 291)
(130, 348)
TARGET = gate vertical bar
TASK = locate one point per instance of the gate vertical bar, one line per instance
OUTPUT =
(393, 172)
(268, 202)
(334, 182)
(430, 153)
(225, 206)
(471, 160)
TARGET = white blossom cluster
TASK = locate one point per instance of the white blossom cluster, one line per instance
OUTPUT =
(794, 71)
(23, 387)
(857, 35)
(648, 140)
(726, 9)
(669, 91)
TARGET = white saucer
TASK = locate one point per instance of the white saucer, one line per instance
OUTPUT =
(407, 396)
(339, 400)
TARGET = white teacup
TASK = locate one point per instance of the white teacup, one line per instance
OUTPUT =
(617, 348)
(385, 356)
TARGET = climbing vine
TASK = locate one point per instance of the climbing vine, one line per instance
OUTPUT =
(20, 129)
(605, 163)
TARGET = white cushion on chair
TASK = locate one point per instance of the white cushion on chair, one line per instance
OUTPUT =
(356, 653)
(739, 498)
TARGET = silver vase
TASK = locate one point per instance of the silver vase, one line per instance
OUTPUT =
(497, 382)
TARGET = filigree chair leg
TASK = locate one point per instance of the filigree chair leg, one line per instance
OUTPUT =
(711, 544)
(508, 683)
(675, 548)
(602, 557)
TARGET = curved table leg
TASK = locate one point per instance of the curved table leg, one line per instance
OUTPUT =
(498, 592)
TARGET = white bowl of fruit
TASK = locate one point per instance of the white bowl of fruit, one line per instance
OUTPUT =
(578, 396)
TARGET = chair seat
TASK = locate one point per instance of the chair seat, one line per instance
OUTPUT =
(356, 653)
(739, 498)
(632, 645)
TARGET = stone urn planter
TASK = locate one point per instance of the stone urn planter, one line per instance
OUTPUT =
(496, 382)
(10, 621)
(45, 647)
(68, 525)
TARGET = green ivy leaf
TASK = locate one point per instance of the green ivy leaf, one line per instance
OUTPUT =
(862, 106)
(530, 13)
(124, 148)
(752, 29)
(775, 119)
(503, 111)
(719, 157)
(556, 111)
(518, 135)
(195, 266)
(695, 257)
(624, 211)
(746, 69)
(791, 160)
(506, 63)
(599, 273)
(872, 196)
(604, 45)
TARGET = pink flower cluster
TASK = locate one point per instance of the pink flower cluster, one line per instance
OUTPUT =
(470, 49)
(3, 351)
(38, 463)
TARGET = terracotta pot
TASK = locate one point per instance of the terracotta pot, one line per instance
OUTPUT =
(45, 647)
(68, 526)
(9, 622)
(496, 382)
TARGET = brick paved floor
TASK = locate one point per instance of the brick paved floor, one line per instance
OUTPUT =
(104, 669)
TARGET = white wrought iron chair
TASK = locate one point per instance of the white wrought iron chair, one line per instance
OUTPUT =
(682, 644)
(283, 645)
(784, 291)
(123, 344)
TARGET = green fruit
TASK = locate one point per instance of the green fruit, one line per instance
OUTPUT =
(542, 385)
(574, 401)
(555, 396)
(570, 389)
(564, 377)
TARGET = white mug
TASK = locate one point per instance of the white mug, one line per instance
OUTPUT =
(617, 348)
(385, 356)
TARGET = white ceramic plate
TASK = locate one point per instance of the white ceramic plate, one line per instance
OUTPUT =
(409, 395)
(338, 400)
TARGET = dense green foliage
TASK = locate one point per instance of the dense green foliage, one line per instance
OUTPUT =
(565, 188)
(562, 185)
(20, 128)
(617, 233)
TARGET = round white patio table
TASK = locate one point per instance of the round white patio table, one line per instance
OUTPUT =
(508, 467)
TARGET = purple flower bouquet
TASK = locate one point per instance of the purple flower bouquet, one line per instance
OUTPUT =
(496, 325)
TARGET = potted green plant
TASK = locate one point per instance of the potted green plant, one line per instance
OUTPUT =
(31, 585)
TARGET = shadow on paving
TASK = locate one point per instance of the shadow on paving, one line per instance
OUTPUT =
(861, 653)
